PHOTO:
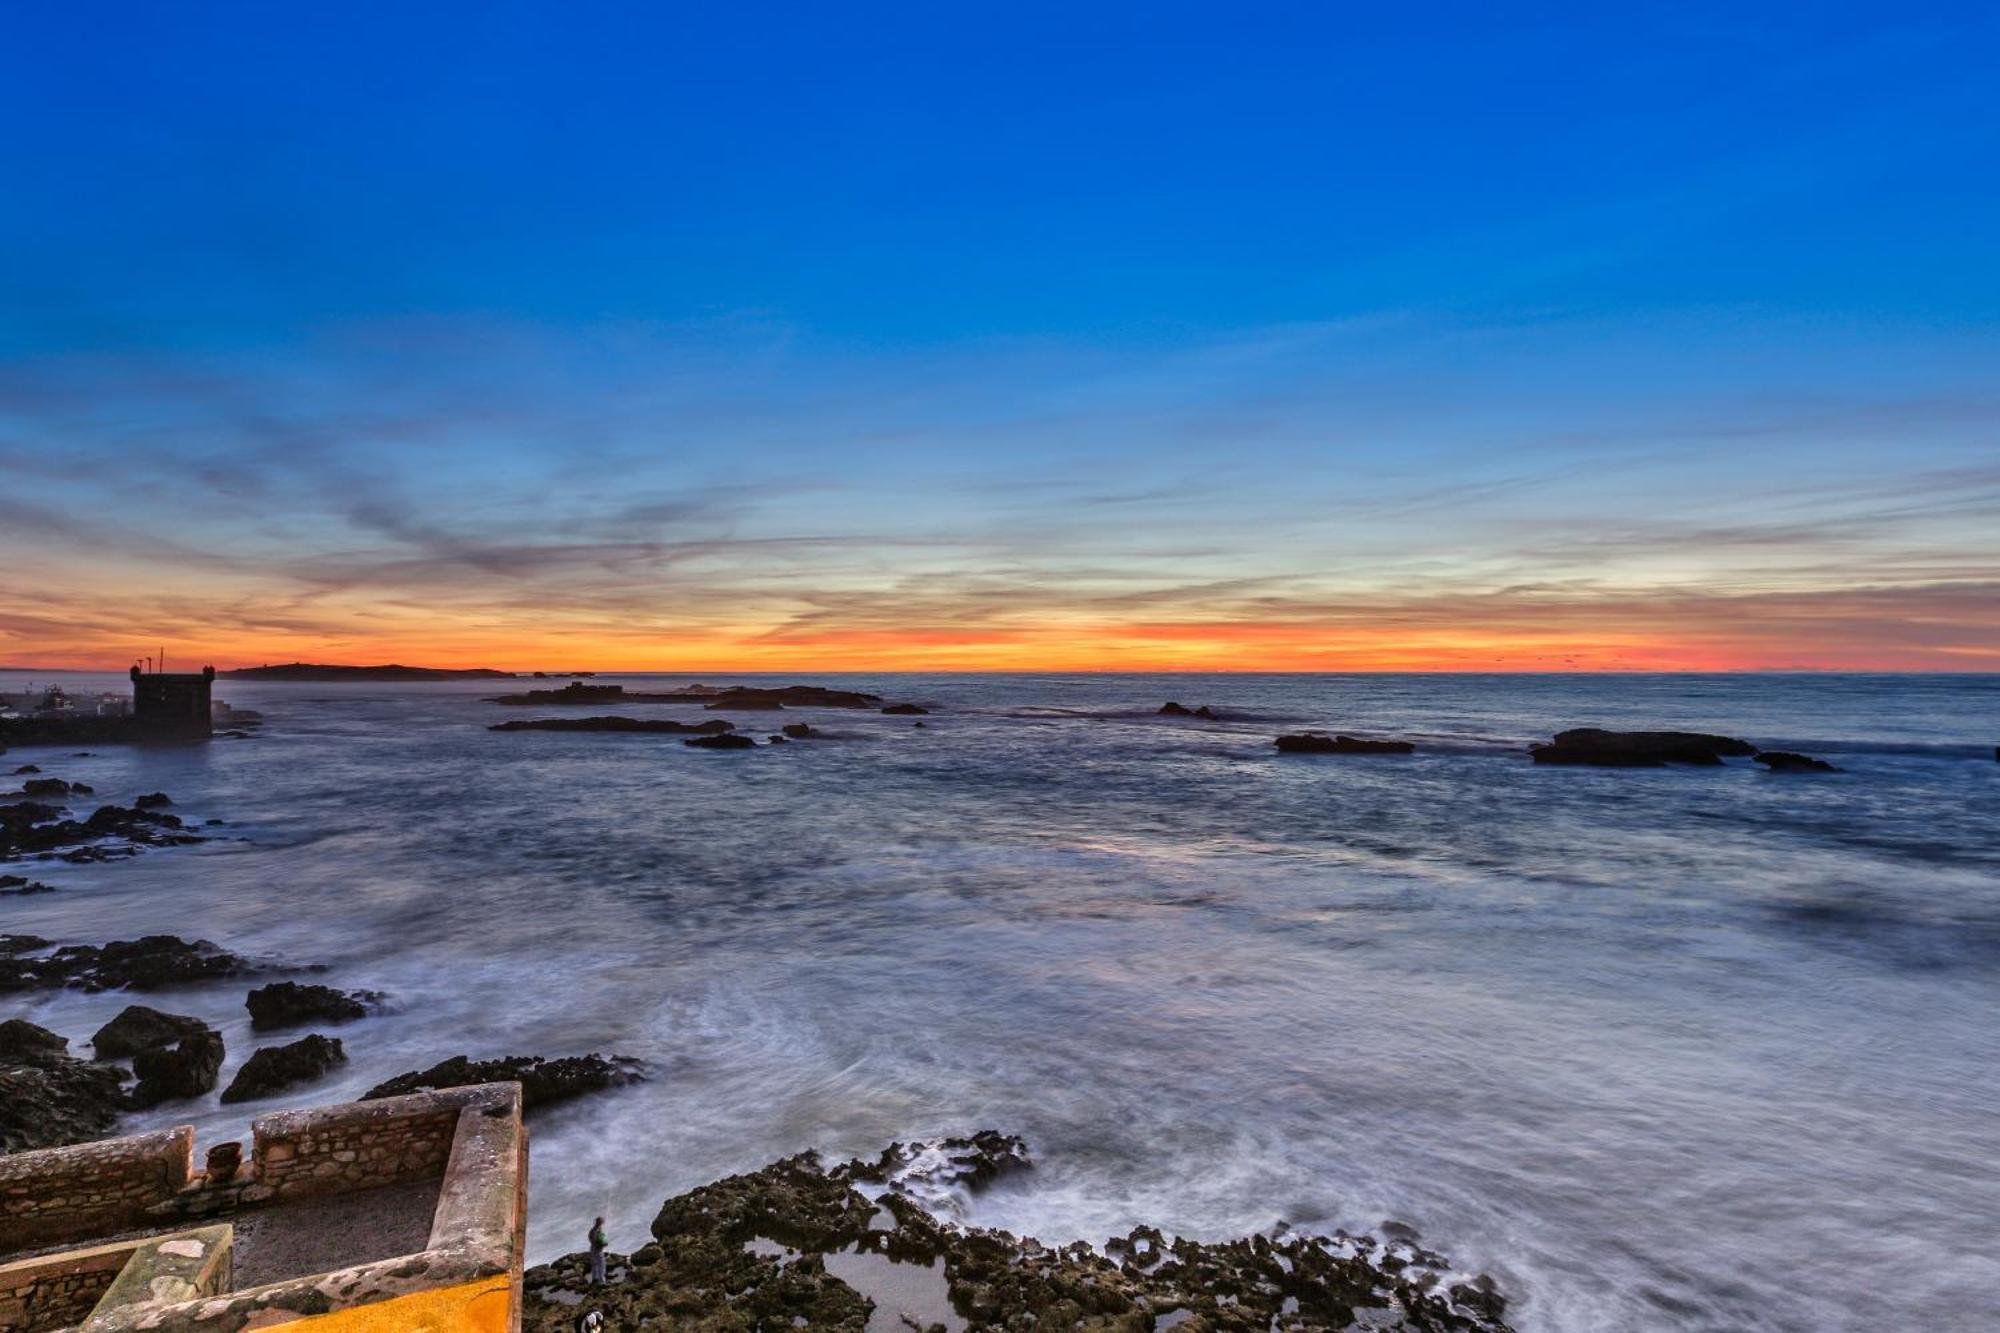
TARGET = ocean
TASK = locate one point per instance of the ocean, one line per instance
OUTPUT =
(1658, 1049)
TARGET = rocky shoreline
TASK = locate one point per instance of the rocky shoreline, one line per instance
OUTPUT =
(854, 1246)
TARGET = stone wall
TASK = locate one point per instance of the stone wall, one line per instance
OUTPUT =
(60, 1289)
(332, 1150)
(90, 1189)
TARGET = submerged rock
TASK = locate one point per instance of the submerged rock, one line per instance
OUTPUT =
(669, 726)
(140, 1028)
(152, 800)
(543, 1081)
(1313, 742)
(1598, 748)
(1785, 761)
(48, 1098)
(906, 710)
(800, 731)
(272, 1069)
(32, 828)
(186, 1069)
(288, 1004)
(150, 963)
(850, 1247)
(20, 886)
(1172, 709)
(722, 742)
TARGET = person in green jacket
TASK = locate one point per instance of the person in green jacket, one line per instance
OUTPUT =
(597, 1246)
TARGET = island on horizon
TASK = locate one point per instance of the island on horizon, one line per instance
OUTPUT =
(320, 671)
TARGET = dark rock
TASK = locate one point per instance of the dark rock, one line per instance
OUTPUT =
(22, 1042)
(698, 1274)
(28, 828)
(777, 740)
(749, 703)
(906, 710)
(1598, 748)
(1784, 761)
(48, 1098)
(713, 726)
(151, 963)
(799, 731)
(152, 800)
(288, 1004)
(1313, 742)
(27, 768)
(722, 742)
(272, 1069)
(45, 787)
(139, 1028)
(543, 1081)
(173, 1073)
(1172, 709)
(13, 944)
(20, 886)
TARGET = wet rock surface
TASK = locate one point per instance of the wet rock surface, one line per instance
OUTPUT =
(20, 886)
(1785, 761)
(1172, 709)
(138, 1028)
(668, 726)
(1598, 748)
(48, 1098)
(762, 1250)
(272, 1069)
(722, 742)
(152, 962)
(906, 710)
(34, 828)
(188, 1068)
(290, 1004)
(1314, 742)
(543, 1081)
(152, 800)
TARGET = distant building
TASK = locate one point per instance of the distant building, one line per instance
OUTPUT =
(173, 703)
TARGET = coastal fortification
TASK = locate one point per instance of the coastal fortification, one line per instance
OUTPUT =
(408, 1212)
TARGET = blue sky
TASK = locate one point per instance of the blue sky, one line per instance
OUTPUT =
(997, 335)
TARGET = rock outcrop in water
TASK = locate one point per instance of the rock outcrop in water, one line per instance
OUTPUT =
(748, 697)
(140, 1027)
(34, 828)
(49, 1098)
(153, 962)
(1172, 709)
(291, 1004)
(722, 742)
(543, 1081)
(851, 1247)
(907, 710)
(20, 886)
(1597, 748)
(664, 726)
(1314, 742)
(186, 1069)
(272, 1069)
(1785, 761)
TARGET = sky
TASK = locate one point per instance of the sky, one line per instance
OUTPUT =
(1001, 336)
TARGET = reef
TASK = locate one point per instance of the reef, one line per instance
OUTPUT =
(152, 962)
(543, 1081)
(714, 726)
(1313, 742)
(1598, 748)
(36, 828)
(722, 742)
(802, 1244)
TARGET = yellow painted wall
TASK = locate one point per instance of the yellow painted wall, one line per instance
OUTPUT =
(485, 1306)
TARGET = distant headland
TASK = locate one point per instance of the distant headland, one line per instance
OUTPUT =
(319, 671)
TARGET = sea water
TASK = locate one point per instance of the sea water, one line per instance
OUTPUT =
(1676, 1048)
